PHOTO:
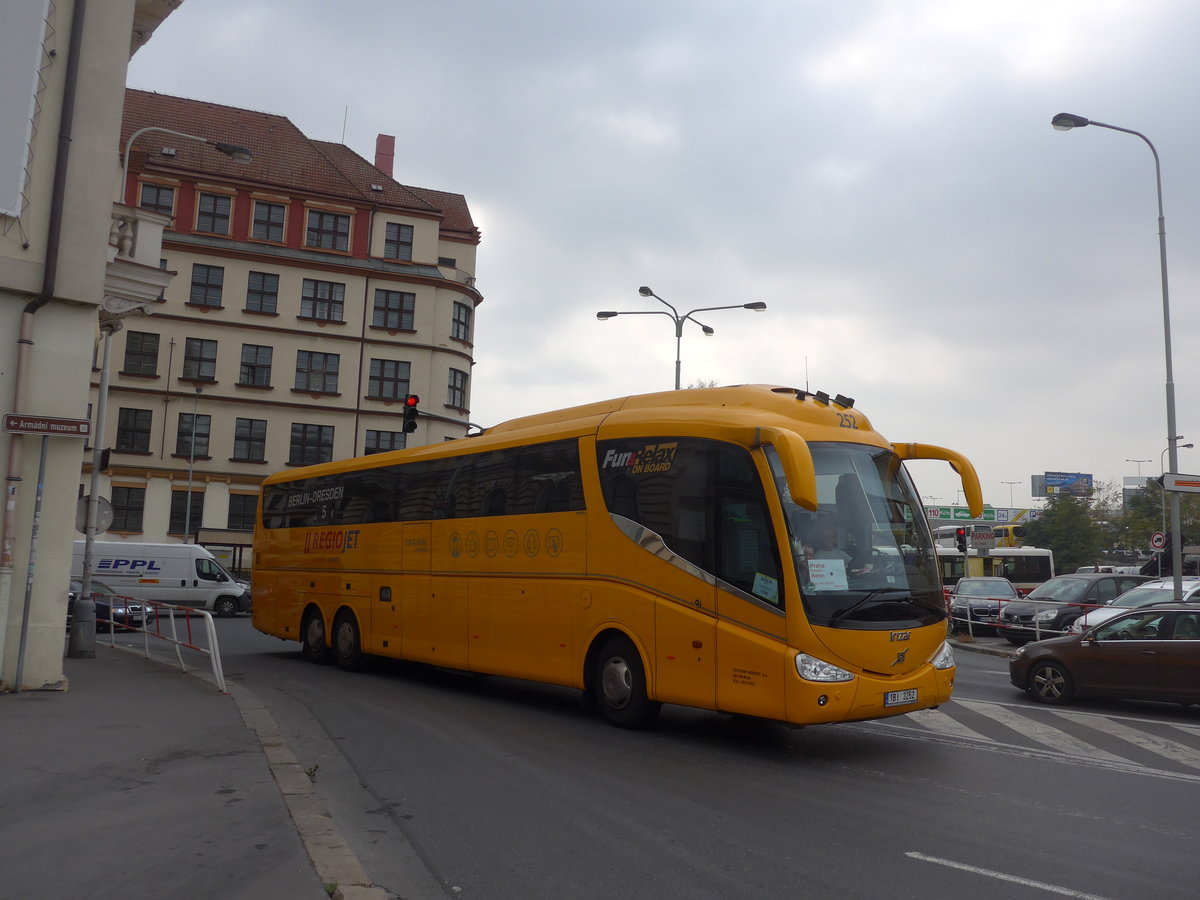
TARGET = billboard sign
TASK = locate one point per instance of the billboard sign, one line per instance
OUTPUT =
(1074, 484)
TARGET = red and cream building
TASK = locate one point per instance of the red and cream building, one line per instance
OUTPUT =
(312, 293)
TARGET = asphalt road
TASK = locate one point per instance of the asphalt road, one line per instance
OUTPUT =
(451, 785)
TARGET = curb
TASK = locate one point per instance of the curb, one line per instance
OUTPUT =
(335, 863)
(986, 649)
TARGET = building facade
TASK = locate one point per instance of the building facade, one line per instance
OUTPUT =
(67, 256)
(312, 293)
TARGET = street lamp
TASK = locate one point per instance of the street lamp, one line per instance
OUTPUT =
(677, 318)
(1139, 464)
(1010, 494)
(1065, 122)
(233, 151)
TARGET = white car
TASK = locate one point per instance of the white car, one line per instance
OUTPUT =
(1158, 591)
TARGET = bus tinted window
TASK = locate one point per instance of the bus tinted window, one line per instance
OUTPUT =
(534, 479)
(704, 499)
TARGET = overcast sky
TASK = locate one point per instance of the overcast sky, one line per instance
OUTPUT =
(882, 173)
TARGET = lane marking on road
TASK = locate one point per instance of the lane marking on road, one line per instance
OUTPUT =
(1047, 735)
(1002, 876)
(1161, 746)
(896, 728)
(936, 720)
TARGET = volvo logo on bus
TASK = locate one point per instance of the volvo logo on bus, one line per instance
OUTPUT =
(900, 657)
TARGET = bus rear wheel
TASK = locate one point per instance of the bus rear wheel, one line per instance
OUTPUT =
(619, 685)
(312, 637)
(347, 642)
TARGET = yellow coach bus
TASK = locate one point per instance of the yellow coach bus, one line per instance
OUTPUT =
(754, 549)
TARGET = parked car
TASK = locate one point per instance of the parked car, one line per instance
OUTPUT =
(975, 603)
(110, 606)
(1050, 607)
(1152, 653)
(1160, 590)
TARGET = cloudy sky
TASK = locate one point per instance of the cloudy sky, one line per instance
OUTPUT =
(882, 173)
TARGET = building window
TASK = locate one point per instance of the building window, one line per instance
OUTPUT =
(383, 441)
(159, 199)
(250, 439)
(192, 438)
(262, 292)
(186, 519)
(394, 310)
(388, 379)
(460, 325)
(398, 241)
(127, 506)
(457, 393)
(268, 221)
(207, 282)
(311, 444)
(329, 231)
(317, 372)
(133, 430)
(200, 359)
(322, 300)
(141, 353)
(448, 261)
(212, 213)
(256, 365)
(242, 510)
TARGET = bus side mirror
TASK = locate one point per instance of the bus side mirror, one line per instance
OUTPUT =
(797, 463)
(958, 462)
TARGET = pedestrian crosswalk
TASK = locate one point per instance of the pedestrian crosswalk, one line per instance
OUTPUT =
(1109, 740)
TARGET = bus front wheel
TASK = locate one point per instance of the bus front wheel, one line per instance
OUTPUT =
(347, 642)
(620, 685)
(312, 637)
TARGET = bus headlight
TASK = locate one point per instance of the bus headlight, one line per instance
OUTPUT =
(812, 669)
(944, 658)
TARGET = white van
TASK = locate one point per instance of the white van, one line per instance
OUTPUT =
(180, 574)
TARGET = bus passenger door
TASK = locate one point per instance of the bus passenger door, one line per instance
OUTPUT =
(417, 633)
(752, 629)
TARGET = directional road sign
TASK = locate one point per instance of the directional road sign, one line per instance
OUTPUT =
(16, 423)
(1187, 483)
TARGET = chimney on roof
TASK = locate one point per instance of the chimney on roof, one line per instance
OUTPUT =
(385, 153)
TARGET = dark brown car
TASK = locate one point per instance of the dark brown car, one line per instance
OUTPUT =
(1151, 653)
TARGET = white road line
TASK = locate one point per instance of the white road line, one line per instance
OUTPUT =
(1001, 876)
(1161, 746)
(1047, 735)
(936, 720)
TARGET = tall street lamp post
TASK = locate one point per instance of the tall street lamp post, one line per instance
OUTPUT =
(1139, 464)
(1065, 122)
(677, 317)
(82, 640)
(1010, 492)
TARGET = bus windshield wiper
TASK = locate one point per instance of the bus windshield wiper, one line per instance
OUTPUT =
(842, 613)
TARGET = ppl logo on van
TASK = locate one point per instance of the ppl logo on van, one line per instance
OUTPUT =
(127, 566)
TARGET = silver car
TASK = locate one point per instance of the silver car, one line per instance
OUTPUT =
(1158, 591)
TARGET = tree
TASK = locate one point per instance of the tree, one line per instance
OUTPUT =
(1067, 528)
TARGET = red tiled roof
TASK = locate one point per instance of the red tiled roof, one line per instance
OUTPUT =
(284, 158)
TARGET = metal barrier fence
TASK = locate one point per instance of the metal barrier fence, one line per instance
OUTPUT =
(152, 627)
(973, 624)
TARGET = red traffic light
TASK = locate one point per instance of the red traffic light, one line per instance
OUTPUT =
(412, 400)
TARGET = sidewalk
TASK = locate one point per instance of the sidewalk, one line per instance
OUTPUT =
(141, 781)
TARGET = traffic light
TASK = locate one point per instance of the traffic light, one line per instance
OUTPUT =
(410, 413)
(960, 539)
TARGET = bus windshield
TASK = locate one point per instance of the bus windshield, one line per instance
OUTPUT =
(865, 557)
